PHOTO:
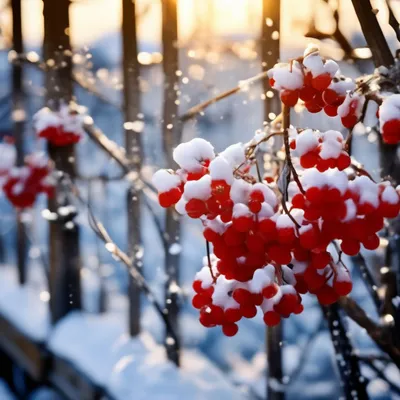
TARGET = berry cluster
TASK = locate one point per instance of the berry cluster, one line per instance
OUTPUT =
(316, 82)
(351, 211)
(23, 184)
(61, 128)
(262, 255)
(322, 150)
(389, 119)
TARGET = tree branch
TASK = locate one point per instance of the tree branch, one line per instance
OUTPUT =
(379, 334)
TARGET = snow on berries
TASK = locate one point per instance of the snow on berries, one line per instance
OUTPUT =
(306, 79)
(389, 119)
(351, 108)
(322, 150)
(264, 258)
(23, 184)
(62, 127)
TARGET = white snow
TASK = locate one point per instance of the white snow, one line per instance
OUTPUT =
(189, 155)
(352, 98)
(240, 191)
(351, 210)
(22, 305)
(241, 210)
(200, 189)
(390, 109)
(221, 289)
(269, 195)
(220, 169)
(164, 180)
(343, 86)
(316, 65)
(234, 154)
(306, 141)
(265, 212)
(262, 278)
(286, 76)
(8, 156)
(5, 392)
(389, 195)
(100, 347)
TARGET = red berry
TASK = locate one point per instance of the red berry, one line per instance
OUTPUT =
(330, 97)
(243, 296)
(249, 311)
(233, 314)
(321, 82)
(343, 161)
(350, 247)
(271, 318)
(349, 121)
(331, 111)
(289, 97)
(309, 159)
(327, 295)
(254, 206)
(195, 208)
(307, 93)
(270, 291)
(313, 107)
(342, 288)
(230, 329)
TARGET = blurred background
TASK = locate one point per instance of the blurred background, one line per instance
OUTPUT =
(219, 44)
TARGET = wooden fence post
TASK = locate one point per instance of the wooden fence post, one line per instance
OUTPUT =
(133, 147)
(18, 117)
(64, 255)
(171, 129)
(270, 54)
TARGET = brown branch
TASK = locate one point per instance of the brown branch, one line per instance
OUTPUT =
(379, 334)
(373, 33)
(110, 147)
(285, 128)
(76, 77)
(192, 112)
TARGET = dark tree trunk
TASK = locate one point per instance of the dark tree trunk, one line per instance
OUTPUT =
(389, 160)
(133, 152)
(18, 116)
(270, 53)
(64, 263)
(171, 129)
(352, 382)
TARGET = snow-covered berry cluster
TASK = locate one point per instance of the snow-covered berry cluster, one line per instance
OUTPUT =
(337, 208)
(322, 150)
(389, 119)
(61, 128)
(22, 184)
(318, 84)
(263, 255)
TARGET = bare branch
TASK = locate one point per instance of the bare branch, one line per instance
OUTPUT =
(243, 85)
(379, 334)
(110, 147)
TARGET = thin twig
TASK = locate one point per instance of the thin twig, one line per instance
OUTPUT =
(379, 334)
(77, 78)
(368, 280)
(243, 85)
(121, 256)
(209, 261)
(285, 128)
